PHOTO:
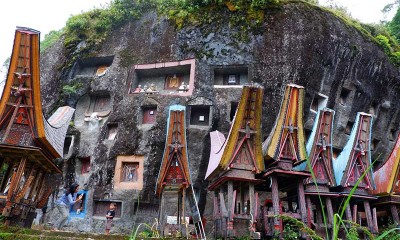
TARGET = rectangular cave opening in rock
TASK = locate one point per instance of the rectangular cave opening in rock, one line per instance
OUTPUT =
(112, 131)
(344, 95)
(199, 115)
(232, 112)
(101, 207)
(319, 102)
(130, 172)
(392, 134)
(374, 144)
(67, 145)
(149, 114)
(93, 66)
(79, 209)
(373, 109)
(349, 127)
(307, 133)
(85, 165)
(99, 107)
(169, 78)
(231, 75)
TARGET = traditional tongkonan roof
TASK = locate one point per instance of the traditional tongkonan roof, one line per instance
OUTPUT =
(174, 169)
(286, 140)
(22, 124)
(319, 147)
(242, 149)
(355, 158)
(386, 177)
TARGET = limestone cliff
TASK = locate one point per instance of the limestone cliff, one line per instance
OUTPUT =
(297, 43)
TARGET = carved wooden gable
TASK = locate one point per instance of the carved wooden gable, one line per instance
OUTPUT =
(175, 166)
(242, 148)
(355, 158)
(286, 141)
(17, 105)
(321, 151)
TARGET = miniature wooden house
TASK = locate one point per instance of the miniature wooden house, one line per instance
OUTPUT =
(319, 147)
(232, 167)
(28, 143)
(174, 181)
(352, 169)
(284, 150)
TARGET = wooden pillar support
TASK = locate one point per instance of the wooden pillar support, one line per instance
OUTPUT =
(348, 213)
(374, 220)
(231, 207)
(251, 198)
(355, 213)
(329, 209)
(309, 211)
(368, 214)
(395, 213)
(275, 202)
(302, 201)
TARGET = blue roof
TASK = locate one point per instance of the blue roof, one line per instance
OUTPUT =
(340, 163)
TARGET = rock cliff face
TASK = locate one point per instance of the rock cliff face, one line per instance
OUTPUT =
(299, 44)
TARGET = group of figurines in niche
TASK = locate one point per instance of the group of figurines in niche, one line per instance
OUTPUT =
(172, 82)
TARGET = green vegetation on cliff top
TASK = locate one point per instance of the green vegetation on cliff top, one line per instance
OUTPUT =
(94, 26)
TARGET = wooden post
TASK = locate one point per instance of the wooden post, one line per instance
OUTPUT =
(355, 213)
(251, 198)
(275, 202)
(309, 210)
(161, 214)
(302, 201)
(368, 214)
(183, 223)
(395, 213)
(231, 201)
(329, 209)
(348, 212)
(374, 220)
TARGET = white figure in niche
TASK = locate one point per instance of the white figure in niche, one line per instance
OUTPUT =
(183, 87)
(130, 174)
(93, 120)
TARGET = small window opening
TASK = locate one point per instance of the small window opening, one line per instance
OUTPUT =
(374, 144)
(112, 131)
(392, 135)
(349, 127)
(149, 115)
(319, 102)
(234, 106)
(85, 165)
(67, 145)
(344, 96)
(199, 115)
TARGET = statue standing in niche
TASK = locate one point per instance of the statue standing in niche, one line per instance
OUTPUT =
(172, 81)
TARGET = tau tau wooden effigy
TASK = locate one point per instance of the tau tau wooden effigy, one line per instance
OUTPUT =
(349, 168)
(387, 182)
(284, 150)
(28, 143)
(232, 167)
(319, 148)
(174, 181)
